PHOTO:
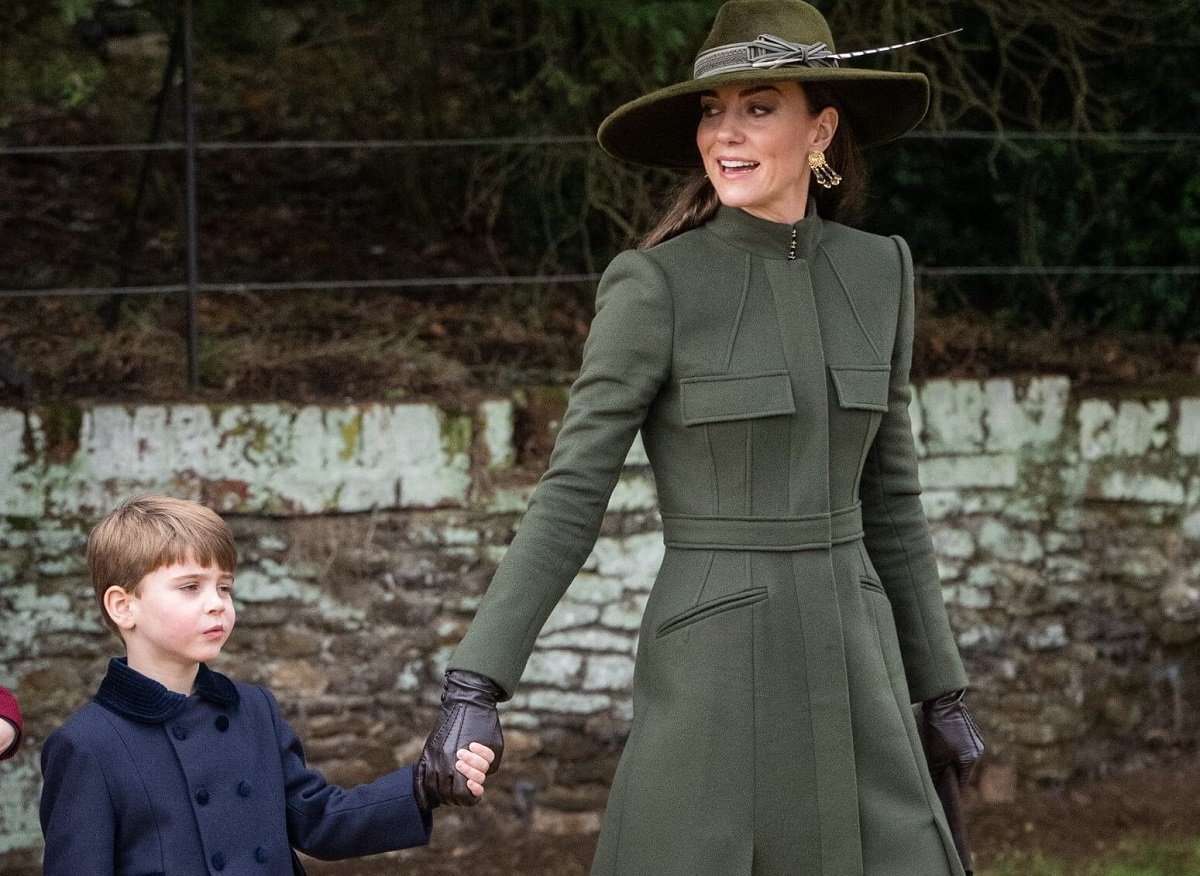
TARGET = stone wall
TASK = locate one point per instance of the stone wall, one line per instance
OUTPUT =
(1067, 529)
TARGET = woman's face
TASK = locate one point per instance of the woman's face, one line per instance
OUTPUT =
(755, 141)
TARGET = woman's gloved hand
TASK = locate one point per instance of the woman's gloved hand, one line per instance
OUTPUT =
(468, 715)
(952, 738)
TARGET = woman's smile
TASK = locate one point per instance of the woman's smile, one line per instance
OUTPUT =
(734, 168)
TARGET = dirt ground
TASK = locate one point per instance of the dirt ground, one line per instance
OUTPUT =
(1085, 819)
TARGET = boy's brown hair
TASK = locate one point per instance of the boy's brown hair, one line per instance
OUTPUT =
(148, 532)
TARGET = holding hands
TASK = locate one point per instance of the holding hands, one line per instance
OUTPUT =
(474, 764)
(465, 745)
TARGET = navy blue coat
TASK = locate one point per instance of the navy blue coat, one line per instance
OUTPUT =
(146, 781)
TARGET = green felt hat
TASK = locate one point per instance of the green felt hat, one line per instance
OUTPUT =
(758, 41)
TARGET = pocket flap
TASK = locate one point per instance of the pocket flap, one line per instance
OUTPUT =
(862, 387)
(723, 397)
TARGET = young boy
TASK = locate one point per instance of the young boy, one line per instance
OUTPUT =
(10, 724)
(173, 768)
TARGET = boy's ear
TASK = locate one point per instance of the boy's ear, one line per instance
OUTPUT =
(118, 602)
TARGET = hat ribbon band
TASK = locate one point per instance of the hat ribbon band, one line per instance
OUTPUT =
(768, 52)
(764, 53)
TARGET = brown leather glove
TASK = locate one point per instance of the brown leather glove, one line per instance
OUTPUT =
(468, 715)
(952, 739)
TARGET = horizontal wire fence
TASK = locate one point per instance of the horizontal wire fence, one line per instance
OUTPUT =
(558, 140)
(1149, 138)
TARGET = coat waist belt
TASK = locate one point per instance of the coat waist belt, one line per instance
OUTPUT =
(810, 532)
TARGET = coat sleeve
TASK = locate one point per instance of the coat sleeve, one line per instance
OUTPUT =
(330, 822)
(79, 820)
(626, 360)
(11, 712)
(897, 533)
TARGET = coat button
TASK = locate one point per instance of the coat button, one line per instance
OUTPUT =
(244, 788)
(260, 854)
(222, 723)
(179, 732)
(218, 861)
(202, 796)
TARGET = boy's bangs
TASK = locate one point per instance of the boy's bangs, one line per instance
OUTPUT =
(195, 547)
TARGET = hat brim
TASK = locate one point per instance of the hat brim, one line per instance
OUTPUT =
(659, 129)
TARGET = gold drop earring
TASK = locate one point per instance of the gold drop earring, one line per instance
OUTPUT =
(825, 175)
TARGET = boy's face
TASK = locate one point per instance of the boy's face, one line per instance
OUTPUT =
(178, 616)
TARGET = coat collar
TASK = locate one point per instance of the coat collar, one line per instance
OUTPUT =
(766, 239)
(132, 695)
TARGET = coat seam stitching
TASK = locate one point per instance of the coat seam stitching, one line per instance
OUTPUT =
(737, 320)
(853, 308)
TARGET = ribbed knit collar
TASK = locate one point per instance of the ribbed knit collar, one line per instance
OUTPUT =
(766, 239)
(132, 695)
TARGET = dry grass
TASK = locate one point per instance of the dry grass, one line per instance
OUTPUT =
(329, 347)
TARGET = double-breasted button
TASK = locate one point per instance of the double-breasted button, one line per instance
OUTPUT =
(222, 723)
(244, 788)
(202, 796)
(179, 732)
(260, 854)
(218, 861)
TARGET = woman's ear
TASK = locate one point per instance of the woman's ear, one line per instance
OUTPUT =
(827, 124)
(118, 602)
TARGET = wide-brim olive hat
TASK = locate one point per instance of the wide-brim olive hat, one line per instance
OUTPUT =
(761, 41)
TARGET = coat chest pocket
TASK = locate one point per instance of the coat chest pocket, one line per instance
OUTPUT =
(862, 387)
(726, 397)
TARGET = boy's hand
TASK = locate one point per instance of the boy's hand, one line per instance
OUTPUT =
(474, 766)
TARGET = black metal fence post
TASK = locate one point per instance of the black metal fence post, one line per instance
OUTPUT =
(193, 272)
(131, 245)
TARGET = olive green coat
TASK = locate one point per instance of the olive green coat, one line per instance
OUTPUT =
(797, 612)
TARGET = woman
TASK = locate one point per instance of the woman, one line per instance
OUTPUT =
(763, 351)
